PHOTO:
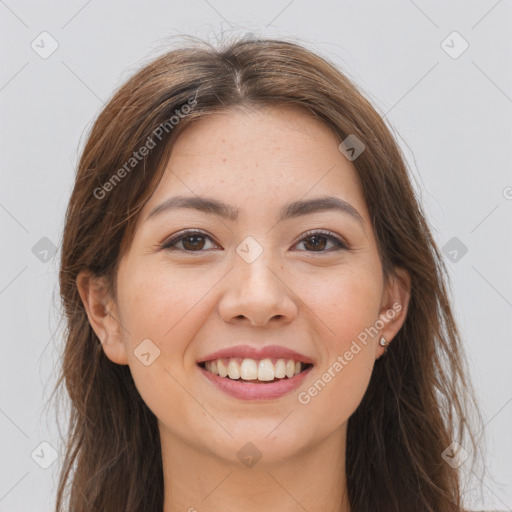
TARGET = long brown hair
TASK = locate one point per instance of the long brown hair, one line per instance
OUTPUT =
(417, 402)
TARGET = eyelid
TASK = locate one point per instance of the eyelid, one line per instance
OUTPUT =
(337, 239)
(166, 244)
(340, 241)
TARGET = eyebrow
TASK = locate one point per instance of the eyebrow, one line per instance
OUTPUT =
(295, 209)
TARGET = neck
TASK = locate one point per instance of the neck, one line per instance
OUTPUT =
(199, 480)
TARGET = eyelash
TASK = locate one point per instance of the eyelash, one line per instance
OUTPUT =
(171, 243)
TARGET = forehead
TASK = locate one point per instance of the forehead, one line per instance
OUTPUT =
(270, 154)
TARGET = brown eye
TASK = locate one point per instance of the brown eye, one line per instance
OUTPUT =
(192, 241)
(318, 241)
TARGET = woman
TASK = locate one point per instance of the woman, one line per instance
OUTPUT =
(256, 308)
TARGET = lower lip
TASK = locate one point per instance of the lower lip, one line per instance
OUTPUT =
(250, 391)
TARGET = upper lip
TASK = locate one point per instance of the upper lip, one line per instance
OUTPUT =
(246, 351)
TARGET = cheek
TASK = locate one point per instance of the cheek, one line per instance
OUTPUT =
(345, 302)
(167, 307)
(158, 302)
(357, 308)
(348, 307)
(161, 306)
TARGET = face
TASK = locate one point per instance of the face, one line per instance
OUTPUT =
(257, 273)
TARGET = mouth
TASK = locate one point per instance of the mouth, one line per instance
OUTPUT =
(245, 372)
(255, 371)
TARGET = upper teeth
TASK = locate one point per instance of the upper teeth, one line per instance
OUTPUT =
(251, 369)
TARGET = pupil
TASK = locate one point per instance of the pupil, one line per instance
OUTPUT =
(318, 244)
(196, 244)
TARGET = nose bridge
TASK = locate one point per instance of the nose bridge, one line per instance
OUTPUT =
(255, 271)
(255, 290)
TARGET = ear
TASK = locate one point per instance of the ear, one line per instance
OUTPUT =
(102, 313)
(394, 307)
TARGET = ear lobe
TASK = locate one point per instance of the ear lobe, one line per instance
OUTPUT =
(394, 309)
(101, 312)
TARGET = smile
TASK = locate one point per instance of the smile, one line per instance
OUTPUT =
(255, 371)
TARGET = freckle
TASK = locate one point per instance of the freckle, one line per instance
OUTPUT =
(224, 159)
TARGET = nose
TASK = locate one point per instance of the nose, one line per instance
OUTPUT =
(258, 295)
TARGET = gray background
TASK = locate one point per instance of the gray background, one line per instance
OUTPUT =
(451, 114)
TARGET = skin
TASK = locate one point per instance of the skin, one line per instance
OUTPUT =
(315, 301)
